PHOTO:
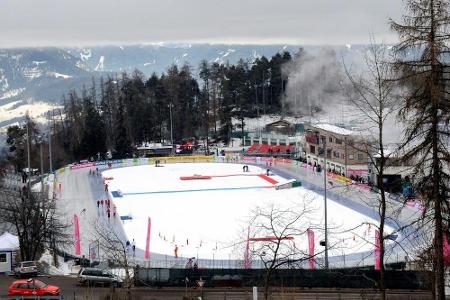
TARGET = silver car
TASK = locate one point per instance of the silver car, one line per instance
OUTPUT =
(93, 276)
(26, 269)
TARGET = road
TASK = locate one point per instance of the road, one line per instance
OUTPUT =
(71, 291)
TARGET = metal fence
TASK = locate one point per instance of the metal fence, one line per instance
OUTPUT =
(338, 278)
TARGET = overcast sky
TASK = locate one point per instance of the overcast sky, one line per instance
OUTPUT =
(99, 22)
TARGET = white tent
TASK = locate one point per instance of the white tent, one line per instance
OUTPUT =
(8, 244)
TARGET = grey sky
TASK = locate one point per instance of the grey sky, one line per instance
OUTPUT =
(97, 22)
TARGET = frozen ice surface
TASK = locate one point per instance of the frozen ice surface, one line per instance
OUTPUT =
(205, 218)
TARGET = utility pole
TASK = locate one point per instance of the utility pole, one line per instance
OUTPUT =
(42, 158)
(171, 125)
(28, 156)
(325, 200)
(50, 144)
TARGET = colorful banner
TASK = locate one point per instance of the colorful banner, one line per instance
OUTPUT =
(377, 250)
(446, 249)
(147, 244)
(311, 248)
(247, 249)
(82, 166)
(77, 235)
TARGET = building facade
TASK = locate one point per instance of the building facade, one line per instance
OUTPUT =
(346, 152)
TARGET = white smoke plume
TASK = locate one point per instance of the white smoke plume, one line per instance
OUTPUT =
(315, 83)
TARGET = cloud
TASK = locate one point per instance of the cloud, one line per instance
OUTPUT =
(95, 22)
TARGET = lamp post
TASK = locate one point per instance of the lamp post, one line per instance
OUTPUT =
(171, 126)
(28, 155)
(50, 152)
(325, 199)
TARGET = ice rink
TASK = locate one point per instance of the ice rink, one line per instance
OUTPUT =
(208, 218)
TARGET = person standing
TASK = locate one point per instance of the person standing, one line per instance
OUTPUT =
(176, 251)
(108, 211)
(133, 246)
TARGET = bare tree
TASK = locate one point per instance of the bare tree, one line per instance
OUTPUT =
(374, 98)
(115, 249)
(34, 219)
(277, 227)
(422, 64)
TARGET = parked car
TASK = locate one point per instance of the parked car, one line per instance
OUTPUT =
(32, 287)
(93, 276)
(26, 269)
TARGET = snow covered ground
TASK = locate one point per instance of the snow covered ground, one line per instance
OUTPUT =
(207, 218)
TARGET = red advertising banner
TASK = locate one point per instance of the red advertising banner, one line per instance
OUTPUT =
(446, 249)
(147, 244)
(377, 250)
(311, 248)
(77, 235)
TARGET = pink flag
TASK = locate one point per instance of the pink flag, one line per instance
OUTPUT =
(247, 248)
(311, 248)
(77, 235)
(377, 250)
(446, 249)
(147, 245)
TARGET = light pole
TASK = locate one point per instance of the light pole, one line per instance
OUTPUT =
(28, 156)
(50, 171)
(325, 199)
(171, 125)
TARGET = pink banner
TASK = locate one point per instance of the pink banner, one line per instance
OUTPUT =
(358, 172)
(446, 249)
(377, 250)
(247, 249)
(81, 166)
(311, 248)
(77, 235)
(147, 244)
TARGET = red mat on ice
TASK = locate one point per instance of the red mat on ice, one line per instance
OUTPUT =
(267, 178)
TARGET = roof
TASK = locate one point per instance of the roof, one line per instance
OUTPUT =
(9, 242)
(333, 129)
(281, 122)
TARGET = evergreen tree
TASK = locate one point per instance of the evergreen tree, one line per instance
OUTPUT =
(122, 143)
(422, 63)
(93, 138)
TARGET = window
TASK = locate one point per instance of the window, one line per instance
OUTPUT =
(351, 156)
(39, 284)
(336, 154)
(360, 156)
(338, 141)
(312, 149)
(342, 156)
(330, 139)
(22, 286)
(3, 257)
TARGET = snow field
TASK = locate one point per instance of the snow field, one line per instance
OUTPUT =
(207, 218)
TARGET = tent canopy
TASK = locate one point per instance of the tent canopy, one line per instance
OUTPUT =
(9, 242)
